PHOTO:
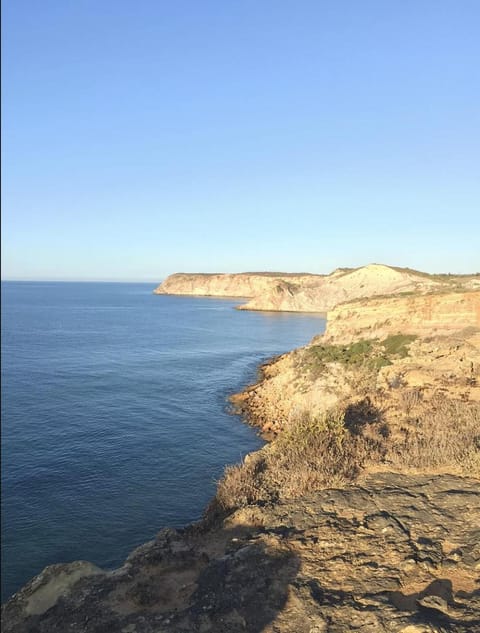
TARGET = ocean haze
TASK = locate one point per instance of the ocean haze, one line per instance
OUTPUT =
(114, 410)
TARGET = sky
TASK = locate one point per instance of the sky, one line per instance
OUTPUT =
(149, 137)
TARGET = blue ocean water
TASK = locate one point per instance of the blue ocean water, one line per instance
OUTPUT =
(114, 414)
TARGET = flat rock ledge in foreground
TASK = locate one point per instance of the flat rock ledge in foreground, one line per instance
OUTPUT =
(396, 554)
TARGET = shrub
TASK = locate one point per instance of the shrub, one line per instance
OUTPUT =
(396, 345)
(313, 453)
(310, 454)
(410, 399)
(351, 355)
(371, 354)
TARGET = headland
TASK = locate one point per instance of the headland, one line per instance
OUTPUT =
(303, 292)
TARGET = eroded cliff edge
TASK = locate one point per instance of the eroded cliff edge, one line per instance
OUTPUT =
(397, 553)
(361, 514)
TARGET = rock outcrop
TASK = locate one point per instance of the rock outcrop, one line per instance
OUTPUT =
(424, 315)
(444, 359)
(396, 554)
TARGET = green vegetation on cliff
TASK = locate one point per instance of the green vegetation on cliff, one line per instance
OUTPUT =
(372, 354)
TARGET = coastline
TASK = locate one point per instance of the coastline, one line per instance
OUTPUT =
(144, 488)
(252, 563)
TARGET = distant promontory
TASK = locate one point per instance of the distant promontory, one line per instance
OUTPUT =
(303, 292)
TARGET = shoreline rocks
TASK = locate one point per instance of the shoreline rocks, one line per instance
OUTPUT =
(395, 553)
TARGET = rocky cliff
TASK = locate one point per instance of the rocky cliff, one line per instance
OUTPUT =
(228, 285)
(321, 295)
(314, 379)
(428, 314)
(407, 338)
(312, 293)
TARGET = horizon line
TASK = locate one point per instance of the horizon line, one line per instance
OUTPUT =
(80, 281)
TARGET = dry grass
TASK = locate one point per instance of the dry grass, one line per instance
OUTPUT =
(310, 454)
(443, 434)
(410, 400)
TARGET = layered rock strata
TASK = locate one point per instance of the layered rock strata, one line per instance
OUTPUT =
(321, 295)
(424, 315)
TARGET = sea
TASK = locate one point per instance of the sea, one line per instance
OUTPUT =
(115, 415)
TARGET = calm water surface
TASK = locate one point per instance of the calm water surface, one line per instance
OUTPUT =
(114, 414)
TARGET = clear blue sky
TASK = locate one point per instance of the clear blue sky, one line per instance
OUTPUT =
(143, 138)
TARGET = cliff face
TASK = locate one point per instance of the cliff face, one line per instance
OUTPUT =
(321, 295)
(311, 293)
(228, 285)
(428, 314)
(315, 378)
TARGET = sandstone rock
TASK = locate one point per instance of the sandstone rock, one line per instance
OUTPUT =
(303, 292)
(323, 294)
(229, 285)
(330, 562)
(421, 314)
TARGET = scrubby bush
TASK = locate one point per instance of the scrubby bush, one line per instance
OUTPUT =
(313, 453)
(372, 354)
(310, 454)
(397, 345)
